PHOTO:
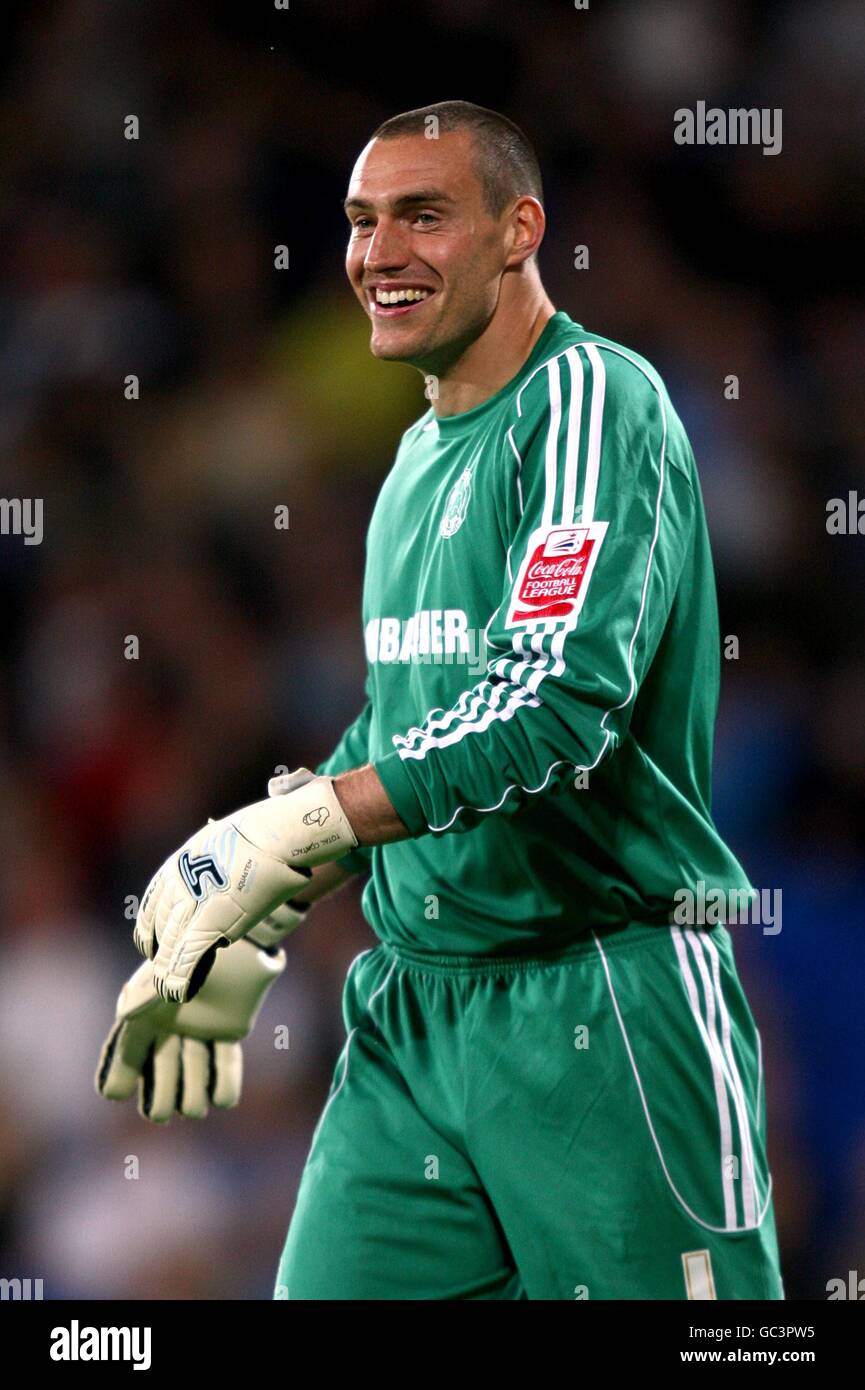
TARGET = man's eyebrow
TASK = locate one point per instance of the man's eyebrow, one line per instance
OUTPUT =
(422, 195)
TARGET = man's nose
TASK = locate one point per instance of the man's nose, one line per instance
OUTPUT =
(387, 248)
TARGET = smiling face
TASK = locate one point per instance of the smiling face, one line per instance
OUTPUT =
(425, 256)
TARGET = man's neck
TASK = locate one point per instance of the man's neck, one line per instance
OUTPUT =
(494, 358)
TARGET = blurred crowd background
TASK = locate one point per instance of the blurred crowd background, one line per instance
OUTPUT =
(155, 257)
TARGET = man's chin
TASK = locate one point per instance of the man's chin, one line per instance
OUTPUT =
(388, 347)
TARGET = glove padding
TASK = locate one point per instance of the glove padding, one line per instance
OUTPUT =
(229, 876)
(183, 1057)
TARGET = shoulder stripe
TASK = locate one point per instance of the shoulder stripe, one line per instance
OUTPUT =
(551, 458)
(593, 459)
(572, 445)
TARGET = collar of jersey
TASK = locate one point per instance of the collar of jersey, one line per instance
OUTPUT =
(450, 425)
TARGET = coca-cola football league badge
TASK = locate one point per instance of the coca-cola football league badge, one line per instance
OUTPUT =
(554, 576)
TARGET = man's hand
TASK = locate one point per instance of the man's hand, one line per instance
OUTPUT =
(234, 872)
(183, 1057)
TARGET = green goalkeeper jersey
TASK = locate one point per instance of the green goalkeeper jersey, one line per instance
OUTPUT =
(542, 642)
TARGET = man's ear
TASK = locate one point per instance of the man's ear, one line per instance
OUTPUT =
(528, 224)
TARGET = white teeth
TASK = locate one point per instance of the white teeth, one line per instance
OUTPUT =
(400, 296)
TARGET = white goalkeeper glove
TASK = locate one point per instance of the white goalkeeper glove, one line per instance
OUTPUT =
(183, 1057)
(229, 876)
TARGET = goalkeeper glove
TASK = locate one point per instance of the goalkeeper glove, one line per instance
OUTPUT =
(181, 1057)
(231, 874)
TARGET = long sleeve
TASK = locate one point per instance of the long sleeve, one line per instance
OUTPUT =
(352, 751)
(598, 508)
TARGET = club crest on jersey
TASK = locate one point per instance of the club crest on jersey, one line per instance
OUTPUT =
(554, 576)
(456, 505)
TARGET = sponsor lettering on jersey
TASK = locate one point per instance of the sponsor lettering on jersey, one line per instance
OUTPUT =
(553, 578)
(430, 635)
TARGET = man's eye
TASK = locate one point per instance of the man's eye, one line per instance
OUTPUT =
(430, 215)
(360, 224)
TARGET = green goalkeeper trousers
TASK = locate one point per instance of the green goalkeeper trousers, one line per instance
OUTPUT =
(588, 1125)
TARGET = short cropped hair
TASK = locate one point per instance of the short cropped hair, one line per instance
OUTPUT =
(506, 163)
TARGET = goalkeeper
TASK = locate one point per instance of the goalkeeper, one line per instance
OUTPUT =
(551, 1084)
